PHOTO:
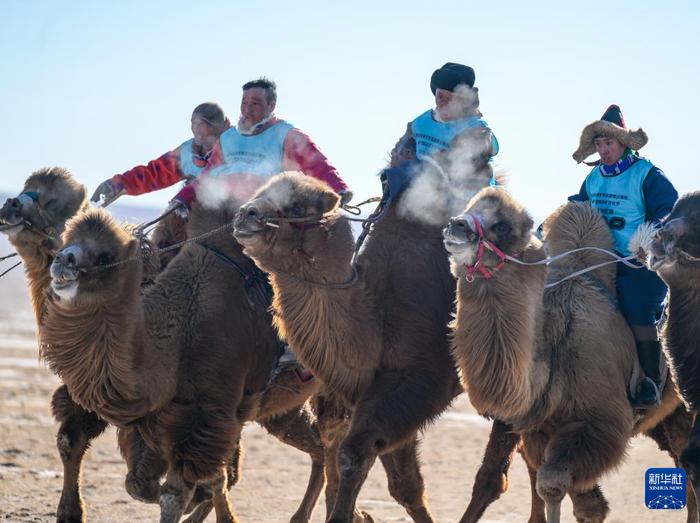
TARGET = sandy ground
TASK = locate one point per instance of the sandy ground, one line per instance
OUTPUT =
(274, 475)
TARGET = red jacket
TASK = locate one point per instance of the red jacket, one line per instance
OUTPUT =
(300, 153)
(163, 171)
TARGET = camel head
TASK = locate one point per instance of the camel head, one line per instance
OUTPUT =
(81, 272)
(675, 252)
(289, 221)
(492, 225)
(38, 215)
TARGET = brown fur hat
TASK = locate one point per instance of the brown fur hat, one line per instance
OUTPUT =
(611, 124)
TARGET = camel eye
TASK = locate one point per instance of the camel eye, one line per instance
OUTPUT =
(103, 259)
(297, 210)
(501, 228)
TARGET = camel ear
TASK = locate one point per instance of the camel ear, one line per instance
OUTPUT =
(134, 247)
(328, 200)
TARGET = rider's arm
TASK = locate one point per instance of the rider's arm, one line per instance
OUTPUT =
(157, 174)
(302, 154)
(659, 195)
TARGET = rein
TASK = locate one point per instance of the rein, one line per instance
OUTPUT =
(8, 270)
(252, 279)
(153, 252)
(15, 265)
(488, 273)
(312, 221)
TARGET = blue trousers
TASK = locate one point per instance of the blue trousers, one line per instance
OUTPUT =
(641, 295)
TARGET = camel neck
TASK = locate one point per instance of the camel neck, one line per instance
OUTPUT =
(495, 341)
(333, 330)
(37, 260)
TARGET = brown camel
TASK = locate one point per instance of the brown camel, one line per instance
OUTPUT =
(34, 225)
(675, 256)
(375, 333)
(137, 363)
(515, 344)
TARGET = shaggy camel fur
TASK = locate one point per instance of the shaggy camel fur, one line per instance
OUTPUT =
(675, 256)
(138, 363)
(515, 343)
(375, 334)
(29, 222)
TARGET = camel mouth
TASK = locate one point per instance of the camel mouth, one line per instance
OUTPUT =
(11, 229)
(657, 261)
(457, 238)
(65, 289)
(247, 231)
(246, 237)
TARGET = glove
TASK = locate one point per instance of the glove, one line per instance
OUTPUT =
(345, 196)
(179, 207)
(106, 192)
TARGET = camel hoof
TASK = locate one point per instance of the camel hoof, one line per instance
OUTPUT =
(71, 518)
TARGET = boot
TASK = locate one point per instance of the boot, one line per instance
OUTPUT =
(649, 389)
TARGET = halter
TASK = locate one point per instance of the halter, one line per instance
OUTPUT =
(483, 244)
(47, 231)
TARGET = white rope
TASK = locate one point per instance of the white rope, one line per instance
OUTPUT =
(547, 261)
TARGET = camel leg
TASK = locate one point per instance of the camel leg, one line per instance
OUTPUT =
(175, 494)
(222, 506)
(492, 477)
(575, 456)
(333, 425)
(393, 409)
(202, 507)
(537, 509)
(406, 482)
(144, 466)
(298, 428)
(590, 506)
(78, 428)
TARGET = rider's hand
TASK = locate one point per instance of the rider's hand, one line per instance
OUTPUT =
(107, 192)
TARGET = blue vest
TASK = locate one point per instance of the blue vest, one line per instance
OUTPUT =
(620, 199)
(432, 136)
(260, 154)
(189, 168)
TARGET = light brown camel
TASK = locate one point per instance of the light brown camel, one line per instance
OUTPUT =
(376, 333)
(554, 363)
(49, 198)
(675, 256)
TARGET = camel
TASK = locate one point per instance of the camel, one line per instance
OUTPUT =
(515, 344)
(137, 362)
(675, 256)
(34, 226)
(374, 333)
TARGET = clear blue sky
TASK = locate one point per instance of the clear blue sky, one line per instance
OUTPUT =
(99, 87)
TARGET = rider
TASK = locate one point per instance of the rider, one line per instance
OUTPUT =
(629, 190)
(262, 145)
(455, 125)
(185, 162)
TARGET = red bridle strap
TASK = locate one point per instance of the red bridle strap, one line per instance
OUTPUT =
(478, 266)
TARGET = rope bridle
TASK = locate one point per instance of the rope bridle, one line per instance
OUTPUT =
(488, 273)
(483, 244)
(308, 222)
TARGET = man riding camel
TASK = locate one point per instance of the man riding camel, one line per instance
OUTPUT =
(629, 190)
